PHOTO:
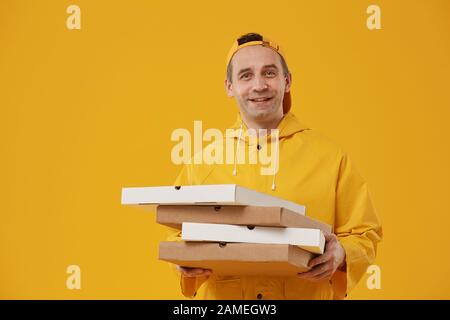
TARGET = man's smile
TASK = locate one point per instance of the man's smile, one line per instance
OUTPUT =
(261, 99)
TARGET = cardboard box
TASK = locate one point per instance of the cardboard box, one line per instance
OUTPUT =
(217, 194)
(174, 216)
(311, 240)
(238, 259)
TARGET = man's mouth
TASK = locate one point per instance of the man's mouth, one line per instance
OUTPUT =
(259, 100)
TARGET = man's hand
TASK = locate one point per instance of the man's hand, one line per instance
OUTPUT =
(194, 272)
(325, 265)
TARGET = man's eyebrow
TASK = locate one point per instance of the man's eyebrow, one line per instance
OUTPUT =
(267, 66)
(270, 66)
(244, 70)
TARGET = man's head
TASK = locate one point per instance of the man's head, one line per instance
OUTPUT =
(258, 78)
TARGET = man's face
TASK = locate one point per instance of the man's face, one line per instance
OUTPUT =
(258, 82)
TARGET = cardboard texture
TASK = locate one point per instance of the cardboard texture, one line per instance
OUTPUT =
(231, 205)
(218, 194)
(173, 216)
(311, 240)
(238, 259)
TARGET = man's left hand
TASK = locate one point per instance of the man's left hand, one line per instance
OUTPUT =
(325, 265)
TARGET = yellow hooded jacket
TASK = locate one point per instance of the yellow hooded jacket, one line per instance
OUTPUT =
(314, 172)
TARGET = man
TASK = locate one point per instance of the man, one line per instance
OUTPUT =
(312, 171)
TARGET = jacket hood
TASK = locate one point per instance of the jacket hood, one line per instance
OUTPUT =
(288, 126)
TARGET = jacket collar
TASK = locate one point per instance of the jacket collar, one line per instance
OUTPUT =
(288, 126)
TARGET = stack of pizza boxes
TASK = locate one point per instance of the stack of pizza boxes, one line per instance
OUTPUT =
(233, 230)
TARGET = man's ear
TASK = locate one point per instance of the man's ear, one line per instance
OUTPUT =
(229, 88)
(288, 82)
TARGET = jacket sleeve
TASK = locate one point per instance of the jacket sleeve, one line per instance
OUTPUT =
(189, 286)
(357, 227)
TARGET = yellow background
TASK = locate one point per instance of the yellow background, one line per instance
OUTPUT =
(87, 112)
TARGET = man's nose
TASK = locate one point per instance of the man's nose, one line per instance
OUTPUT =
(260, 84)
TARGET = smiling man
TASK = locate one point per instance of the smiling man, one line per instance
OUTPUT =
(261, 80)
(312, 171)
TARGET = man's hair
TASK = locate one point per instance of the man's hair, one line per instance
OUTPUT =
(254, 37)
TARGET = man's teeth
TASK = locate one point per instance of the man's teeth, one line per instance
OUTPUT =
(260, 99)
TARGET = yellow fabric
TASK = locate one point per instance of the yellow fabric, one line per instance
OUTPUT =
(266, 42)
(314, 172)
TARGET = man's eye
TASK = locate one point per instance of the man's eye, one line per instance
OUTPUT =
(245, 76)
(270, 73)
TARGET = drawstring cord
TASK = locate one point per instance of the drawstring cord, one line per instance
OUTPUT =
(236, 156)
(276, 162)
(237, 149)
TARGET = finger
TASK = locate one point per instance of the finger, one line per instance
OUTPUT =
(320, 259)
(197, 272)
(188, 271)
(207, 272)
(315, 271)
(322, 276)
(183, 268)
(317, 277)
(330, 237)
(191, 274)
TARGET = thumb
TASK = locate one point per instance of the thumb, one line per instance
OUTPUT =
(330, 237)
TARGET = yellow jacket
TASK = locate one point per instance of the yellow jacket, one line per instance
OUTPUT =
(313, 172)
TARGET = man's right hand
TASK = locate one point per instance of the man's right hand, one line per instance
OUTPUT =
(194, 272)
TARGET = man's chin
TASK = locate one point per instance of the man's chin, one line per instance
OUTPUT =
(261, 113)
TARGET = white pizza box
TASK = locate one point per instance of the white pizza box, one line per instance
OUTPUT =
(214, 194)
(311, 240)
